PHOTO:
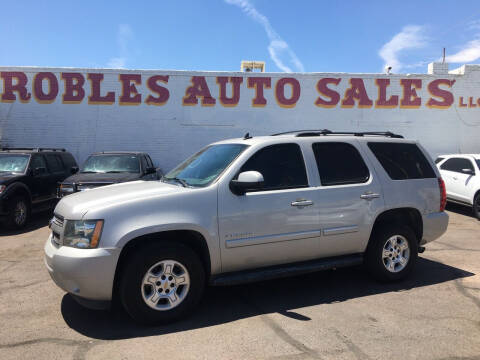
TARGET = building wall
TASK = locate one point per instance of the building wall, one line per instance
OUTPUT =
(172, 114)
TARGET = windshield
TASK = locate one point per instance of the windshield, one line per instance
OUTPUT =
(205, 166)
(13, 163)
(111, 164)
(478, 163)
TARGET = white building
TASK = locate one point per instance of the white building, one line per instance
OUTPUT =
(172, 114)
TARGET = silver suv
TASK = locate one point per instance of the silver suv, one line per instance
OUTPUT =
(244, 210)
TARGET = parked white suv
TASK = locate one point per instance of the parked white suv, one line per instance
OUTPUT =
(461, 173)
(248, 209)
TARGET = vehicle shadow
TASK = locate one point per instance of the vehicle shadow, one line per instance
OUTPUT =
(225, 304)
(37, 221)
(460, 209)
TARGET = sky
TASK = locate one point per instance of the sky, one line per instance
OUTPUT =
(215, 35)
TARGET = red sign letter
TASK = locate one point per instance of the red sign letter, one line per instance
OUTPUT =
(356, 92)
(40, 96)
(199, 87)
(74, 92)
(410, 99)
(258, 83)
(382, 101)
(162, 92)
(324, 90)
(19, 87)
(129, 89)
(280, 92)
(434, 90)
(95, 97)
(235, 98)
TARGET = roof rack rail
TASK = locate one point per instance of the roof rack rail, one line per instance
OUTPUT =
(30, 149)
(307, 133)
(300, 131)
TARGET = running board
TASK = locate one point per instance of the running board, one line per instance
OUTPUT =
(279, 271)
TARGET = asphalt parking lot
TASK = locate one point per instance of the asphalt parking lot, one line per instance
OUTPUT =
(339, 314)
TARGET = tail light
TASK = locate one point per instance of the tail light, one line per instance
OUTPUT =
(443, 194)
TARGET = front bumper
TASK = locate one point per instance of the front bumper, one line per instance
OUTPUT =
(85, 273)
(434, 226)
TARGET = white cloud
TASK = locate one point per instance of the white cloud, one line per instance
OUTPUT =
(117, 63)
(411, 37)
(469, 53)
(124, 35)
(279, 50)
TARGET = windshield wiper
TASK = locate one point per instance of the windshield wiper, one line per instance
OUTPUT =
(115, 172)
(88, 172)
(181, 181)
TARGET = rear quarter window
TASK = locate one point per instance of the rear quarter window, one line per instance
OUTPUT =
(402, 161)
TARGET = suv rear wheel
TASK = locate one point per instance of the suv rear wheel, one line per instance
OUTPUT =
(162, 283)
(19, 212)
(391, 253)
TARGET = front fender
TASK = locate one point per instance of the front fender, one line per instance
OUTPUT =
(141, 231)
(14, 188)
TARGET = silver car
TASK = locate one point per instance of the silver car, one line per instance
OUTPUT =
(248, 209)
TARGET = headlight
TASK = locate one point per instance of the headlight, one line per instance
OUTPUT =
(66, 188)
(83, 234)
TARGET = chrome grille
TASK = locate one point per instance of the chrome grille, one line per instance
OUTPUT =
(58, 220)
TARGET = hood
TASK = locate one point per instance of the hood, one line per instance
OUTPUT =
(76, 205)
(112, 178)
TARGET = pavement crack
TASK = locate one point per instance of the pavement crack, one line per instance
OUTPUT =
(356, 351)
(463, 290)
(82, 346)
(278, 330)
(23, 285)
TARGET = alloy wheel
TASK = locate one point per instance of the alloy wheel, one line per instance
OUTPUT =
(396, 253)
(165, 285)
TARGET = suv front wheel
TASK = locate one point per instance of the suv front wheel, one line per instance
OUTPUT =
(19, 212)
(162, 283)
(391, 253)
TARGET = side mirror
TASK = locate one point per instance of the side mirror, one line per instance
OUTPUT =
(247, 180)
(74, 169)
(150, 170)
(39, 171)
(468, 171)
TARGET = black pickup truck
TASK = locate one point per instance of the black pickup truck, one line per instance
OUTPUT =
(28, 181)
(110, 167)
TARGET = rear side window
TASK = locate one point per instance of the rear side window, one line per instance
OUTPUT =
(54, 163)
(457, 164)
(339, 164)
(38, 162)
(281, 165)
(437, 160)
(402, 161)
(68, 160)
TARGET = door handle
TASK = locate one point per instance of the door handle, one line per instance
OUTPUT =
(302, 202)
(369, 196)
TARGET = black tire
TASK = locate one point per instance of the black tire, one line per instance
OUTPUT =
(374, 260)
(14, 219)
(476, 206)
(140, 262)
